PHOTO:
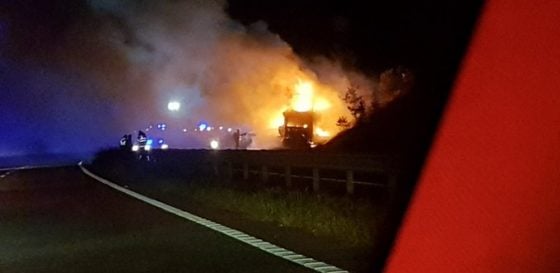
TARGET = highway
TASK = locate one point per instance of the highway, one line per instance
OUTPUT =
(60, 220)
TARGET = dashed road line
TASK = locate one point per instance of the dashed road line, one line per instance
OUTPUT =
(5, 174)
(275, 250)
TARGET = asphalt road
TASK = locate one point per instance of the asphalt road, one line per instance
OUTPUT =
(59, 220)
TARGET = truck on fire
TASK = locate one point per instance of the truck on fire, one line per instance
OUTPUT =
(297, 130)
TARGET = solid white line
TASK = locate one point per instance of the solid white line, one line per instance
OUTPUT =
(240, 236)
(14, 168)
(32, 167)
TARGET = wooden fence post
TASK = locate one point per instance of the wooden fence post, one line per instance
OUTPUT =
(288, 176)
(315, 179)
(350, 182)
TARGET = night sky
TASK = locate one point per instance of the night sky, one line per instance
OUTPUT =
(53, 66)
(373, 35)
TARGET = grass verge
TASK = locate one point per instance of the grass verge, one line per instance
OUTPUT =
(350, 221)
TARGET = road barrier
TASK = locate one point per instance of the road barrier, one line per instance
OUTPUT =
(318, 167)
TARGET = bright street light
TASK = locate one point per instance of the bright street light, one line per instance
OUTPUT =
(174, 106)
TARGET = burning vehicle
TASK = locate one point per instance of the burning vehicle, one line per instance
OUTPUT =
(297, 130)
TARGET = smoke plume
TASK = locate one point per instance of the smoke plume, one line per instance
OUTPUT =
(114, 69)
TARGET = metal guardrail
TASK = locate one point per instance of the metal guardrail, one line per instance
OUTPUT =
(322, 178)
(225, 161)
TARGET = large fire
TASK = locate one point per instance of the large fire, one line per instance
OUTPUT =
(248, 83)
(306, 96)
(302, 100)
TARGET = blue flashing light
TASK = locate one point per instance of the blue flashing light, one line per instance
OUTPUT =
(160, 141)
(202, 126)
(149, 141)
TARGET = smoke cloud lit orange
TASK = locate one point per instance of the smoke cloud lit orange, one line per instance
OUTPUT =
(142, 56)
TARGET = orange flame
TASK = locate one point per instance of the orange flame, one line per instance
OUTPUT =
(305, 98)
(302, 100)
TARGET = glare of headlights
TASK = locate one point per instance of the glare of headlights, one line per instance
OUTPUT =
(214, 144)
(135, 148)
(164, 146)
(147, 147)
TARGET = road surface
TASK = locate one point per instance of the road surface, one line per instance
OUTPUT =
(59, 220)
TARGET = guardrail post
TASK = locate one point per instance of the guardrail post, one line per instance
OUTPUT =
(350, 182)
(288, 176)
(315, 179)
(245, 171)
(264, 173)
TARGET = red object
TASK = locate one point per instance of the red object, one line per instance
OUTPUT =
(489, 196)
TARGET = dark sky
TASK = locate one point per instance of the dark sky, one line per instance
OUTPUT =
(371, 34)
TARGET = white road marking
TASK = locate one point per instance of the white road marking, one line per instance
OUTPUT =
(32, 167)
(232, 233)
(11, 170)
(5, 174)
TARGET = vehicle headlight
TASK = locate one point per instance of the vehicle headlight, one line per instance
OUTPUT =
(148, 147)
(214, 144)
(135, 148)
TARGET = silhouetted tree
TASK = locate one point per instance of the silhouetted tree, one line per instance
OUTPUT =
(355, 103)
(343, 123)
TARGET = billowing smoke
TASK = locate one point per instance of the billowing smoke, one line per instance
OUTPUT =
(114, 70)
